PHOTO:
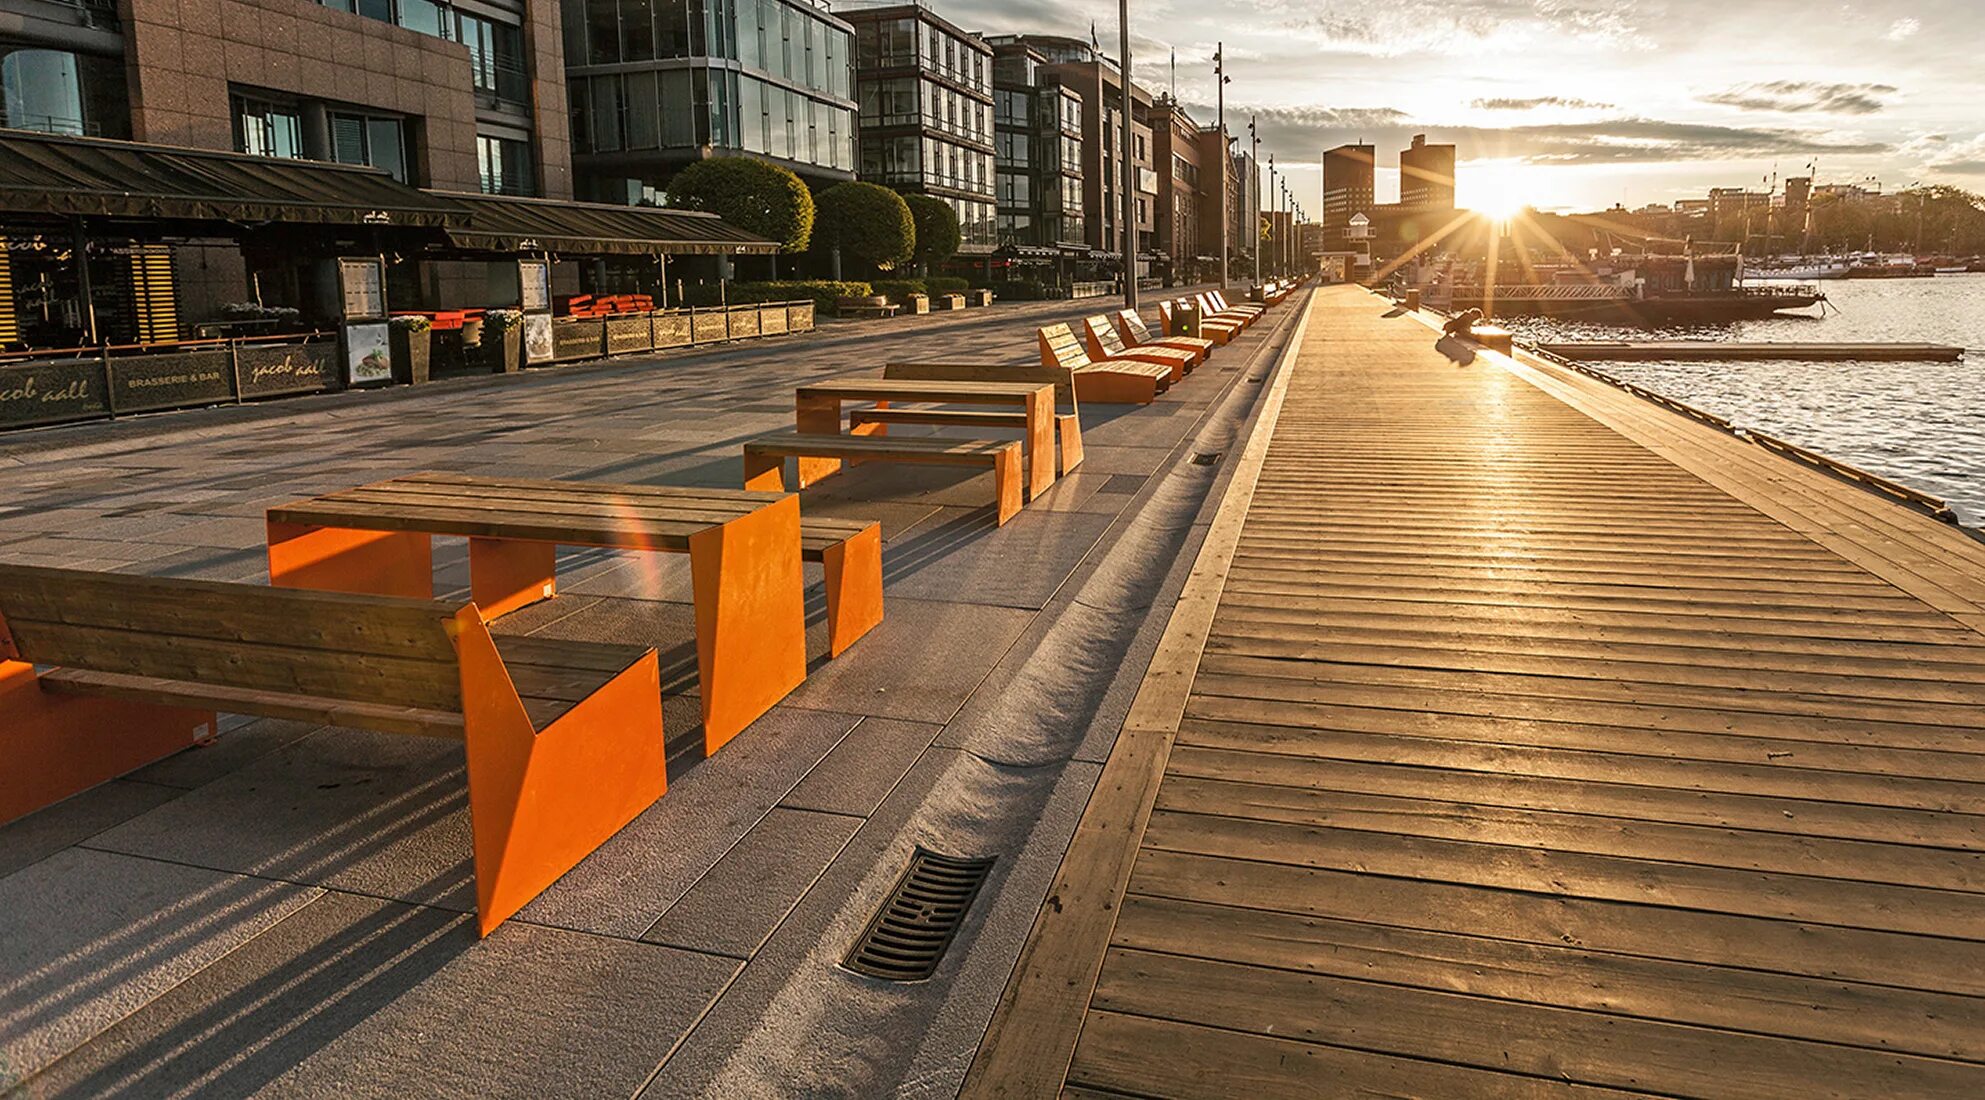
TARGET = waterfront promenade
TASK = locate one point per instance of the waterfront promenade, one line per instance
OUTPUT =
(1515, 737)
(289, 910)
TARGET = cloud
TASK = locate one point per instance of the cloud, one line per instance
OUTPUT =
(1307, 131)
(1965, 158)
(1903, 28)
(1795, 96)
(1394, 28)
(1534, 102)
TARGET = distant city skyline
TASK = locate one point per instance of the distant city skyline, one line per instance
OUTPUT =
(1580, 103)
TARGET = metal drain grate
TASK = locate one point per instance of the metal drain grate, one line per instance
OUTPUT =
(908, 936)
(1205, 458)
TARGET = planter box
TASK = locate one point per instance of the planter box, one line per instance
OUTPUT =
(744, 322)
(950, 301)
(503, 354)
(799, 316)
(979, 297)
(916, 303)
(411, 353)
(771, 320)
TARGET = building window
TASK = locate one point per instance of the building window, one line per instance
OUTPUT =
(58, 92)
(504, 165)
(266, 129)
(367, 139)
(496, 58)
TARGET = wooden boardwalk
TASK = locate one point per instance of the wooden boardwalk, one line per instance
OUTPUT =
(1516, 737)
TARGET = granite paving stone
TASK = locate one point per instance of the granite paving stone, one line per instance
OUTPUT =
(732, 909)
(863, 768)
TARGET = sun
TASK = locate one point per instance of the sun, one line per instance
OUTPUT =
(1495, 189)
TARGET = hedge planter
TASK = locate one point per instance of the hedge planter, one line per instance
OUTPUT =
(503, 353)
(413, 350)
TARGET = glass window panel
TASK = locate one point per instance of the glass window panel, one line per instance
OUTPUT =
(348, 139)
(644, 120)
(381, 10)
(603, 31)
(424, 16)
(385, 148)
(678, 110)
(606, 113)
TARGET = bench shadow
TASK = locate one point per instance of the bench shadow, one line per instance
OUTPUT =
(1395, 311)
(1457, 349)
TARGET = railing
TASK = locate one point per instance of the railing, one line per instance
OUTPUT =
(49, 124)
(74, 384)
(500, 82)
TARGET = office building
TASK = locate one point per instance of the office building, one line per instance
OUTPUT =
(1426, 175)
(462, 99)
(926, 94)
(657, 84)
(1076, 65)
(1184, 253)
(1037, 138)
(1347, 187)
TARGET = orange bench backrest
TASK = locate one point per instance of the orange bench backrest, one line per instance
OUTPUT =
(1060, 348)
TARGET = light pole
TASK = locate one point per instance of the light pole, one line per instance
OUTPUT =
(1220, 85)
(1127, 217)
(1254, 189)
(1271, 203)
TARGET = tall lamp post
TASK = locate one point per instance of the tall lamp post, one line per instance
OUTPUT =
(1271, 203)
(1254, 188)
(1220, 79)
(1127, 217)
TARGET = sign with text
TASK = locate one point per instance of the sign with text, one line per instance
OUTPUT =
(174, 380)
(534, 285)
(363, 282)
(52, 391)
(272, 370)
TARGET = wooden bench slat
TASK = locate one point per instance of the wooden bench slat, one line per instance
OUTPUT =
(592, 506)
(266, 704)
(746, 499)
(821, 445)
(472, 522)
(973, 418)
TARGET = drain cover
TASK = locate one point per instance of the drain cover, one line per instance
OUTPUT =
(908, 936)
(1204, 458)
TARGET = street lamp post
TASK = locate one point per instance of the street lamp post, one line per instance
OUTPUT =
(1220, 85)
(1254, 187)
(1127, 216)
(1271, 202)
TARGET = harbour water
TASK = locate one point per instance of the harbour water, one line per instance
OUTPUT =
(1922, 424)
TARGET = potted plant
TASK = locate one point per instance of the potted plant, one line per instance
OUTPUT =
(412, 339)
(503, 340)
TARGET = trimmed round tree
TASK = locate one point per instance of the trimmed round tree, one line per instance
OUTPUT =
(937, 229)
(871, 225)
(754, 195)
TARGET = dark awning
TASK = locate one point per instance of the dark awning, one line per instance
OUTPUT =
(68, 176)
(500, 223)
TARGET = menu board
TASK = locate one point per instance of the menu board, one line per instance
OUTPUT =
(368, 355)
(534, 283)
(363, 282)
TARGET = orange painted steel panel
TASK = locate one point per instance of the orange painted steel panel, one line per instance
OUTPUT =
(508, 574)
(541, 801)
(750, 617)
(56, 746)
(818, 416)
(854, 588)
(336, 559)
(765, 473)
(1070, 427)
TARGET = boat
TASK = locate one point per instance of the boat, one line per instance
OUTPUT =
(1669, 282)
(1801, 268)
(1870, 266)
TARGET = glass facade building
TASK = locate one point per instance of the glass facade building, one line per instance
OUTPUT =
(655, 84)
(1037, 137)
(925, 90)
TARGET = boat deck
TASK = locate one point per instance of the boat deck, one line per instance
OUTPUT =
(1516, 737)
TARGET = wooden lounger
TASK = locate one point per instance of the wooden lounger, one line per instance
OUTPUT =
(563, 739)
(1130, 325)
(765, 458)
(1101, 341)
(1121, 381)
(1172, 316)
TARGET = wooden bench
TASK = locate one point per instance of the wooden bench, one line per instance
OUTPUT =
(1214, 305)
(744, 555)
(1131, 327)
(765, 459)
(1100, 340)
(1068, 425)
(863, 307)
(563, 739)
(1184, 317)
(1121, 381)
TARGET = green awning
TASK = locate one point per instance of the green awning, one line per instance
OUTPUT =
(501, 223)
(64, 176)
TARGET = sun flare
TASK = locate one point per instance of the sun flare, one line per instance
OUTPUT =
(1497, 189)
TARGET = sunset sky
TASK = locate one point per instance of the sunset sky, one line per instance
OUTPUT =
(1580, 103)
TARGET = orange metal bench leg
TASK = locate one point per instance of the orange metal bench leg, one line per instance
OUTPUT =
(765, 473)
(854, 588)
(1006, 484)
(1069, 426)
(750, 617)
(541, 801)
(868, 429)
(59, 745)
(334, 559)
(820, 416)
(1040, 443)
(506, 574)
